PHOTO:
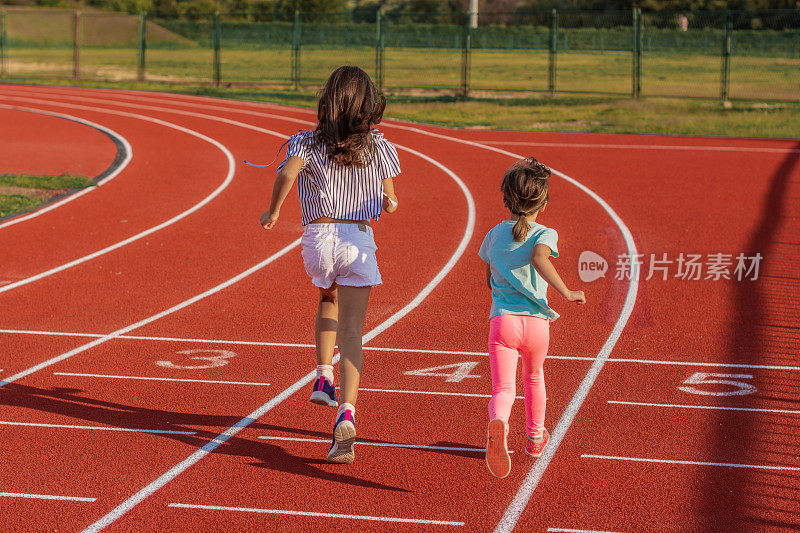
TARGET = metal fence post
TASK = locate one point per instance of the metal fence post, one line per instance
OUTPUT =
(216, 43)
(142, 43)
(2, 43)
(76, 41)
(296, 51)
(636, 86)
(379, 47)
(551, 71)
(725, 78)
(466, 53)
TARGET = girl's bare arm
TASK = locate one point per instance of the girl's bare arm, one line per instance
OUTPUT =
(389, 198)
(280, 189)
(541, 262)
(489, 277)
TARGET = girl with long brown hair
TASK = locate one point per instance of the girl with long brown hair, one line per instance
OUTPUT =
(518, 272)
(344, 170)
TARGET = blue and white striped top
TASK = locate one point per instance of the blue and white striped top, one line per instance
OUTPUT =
(336, 191)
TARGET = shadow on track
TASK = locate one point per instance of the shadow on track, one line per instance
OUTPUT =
(759, 498)
(68, 402)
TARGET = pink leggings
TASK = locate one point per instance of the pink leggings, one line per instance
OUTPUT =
(509, 337)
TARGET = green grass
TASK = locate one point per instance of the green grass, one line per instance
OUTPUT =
(663, 74)
(63, 181)
(17, 203)
(564, 112)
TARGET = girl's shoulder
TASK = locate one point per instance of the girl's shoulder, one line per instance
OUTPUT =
(302, 135)
(538, 230)
(380, 139)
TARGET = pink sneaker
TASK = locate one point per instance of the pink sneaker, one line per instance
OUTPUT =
(535, 447)
(497, 458)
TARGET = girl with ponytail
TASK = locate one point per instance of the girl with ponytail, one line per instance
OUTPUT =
(518, 272)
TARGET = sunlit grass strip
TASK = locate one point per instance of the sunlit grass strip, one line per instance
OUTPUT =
(62, 181)
(17, 203)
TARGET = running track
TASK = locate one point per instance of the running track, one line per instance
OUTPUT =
(155, 342)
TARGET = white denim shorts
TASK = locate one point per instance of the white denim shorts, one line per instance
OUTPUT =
(342, 253)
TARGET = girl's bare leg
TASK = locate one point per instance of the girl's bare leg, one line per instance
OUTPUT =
(352, 313)
(326, 324)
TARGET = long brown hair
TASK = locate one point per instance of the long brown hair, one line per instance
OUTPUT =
(526, 188)
(349, 105)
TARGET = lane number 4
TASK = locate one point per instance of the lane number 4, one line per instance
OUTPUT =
(740, 388)
(220, 359)
(460, 371)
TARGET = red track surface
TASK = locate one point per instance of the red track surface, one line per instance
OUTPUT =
(690, 195)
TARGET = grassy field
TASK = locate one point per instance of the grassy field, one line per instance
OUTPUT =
(563, 112)
(503, 71)
(24, 192)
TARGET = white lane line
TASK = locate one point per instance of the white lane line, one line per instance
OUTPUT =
(45, 497)
(693, 463)
(649, 147)
(115, 334)
(563, 530)
(228, 179)
(523, 495)
(701, 363)
(401, 349)
(108, 131)
(321, 515)
(709, 407)
(75, 374)
(168, 476)
(98, 428)
(465, 394)
(385, 444)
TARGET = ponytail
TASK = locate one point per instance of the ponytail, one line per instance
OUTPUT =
(520, 229)
(525, 187)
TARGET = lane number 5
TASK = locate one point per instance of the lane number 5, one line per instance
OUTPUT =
(702, 378)
(220, 359)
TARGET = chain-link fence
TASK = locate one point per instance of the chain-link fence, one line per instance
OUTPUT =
(725, 54)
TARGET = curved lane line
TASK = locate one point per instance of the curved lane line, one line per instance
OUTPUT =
(206, 200)
(521, 498)
(148, 320)
(168, 476)
(111, 172)
(523, 495)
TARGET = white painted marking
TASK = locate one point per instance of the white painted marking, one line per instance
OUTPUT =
(221, 359)
(520, 501)
(562, 530)
(45, 497)
(165, 478)
(321, 515)
(150, 319)
(701, 378)
(112, 175)
(650, 147)
(409, 350)
(709, 407)
(99, 428)
(465, 394)
(694, 463)
(75, 374)
(460, 372)
(228, 179)
(384, 444)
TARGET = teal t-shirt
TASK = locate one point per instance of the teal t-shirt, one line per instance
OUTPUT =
(517, 289)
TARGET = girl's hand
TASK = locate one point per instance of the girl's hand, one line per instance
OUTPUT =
(268, 219)
(389, 203)
(576, 296)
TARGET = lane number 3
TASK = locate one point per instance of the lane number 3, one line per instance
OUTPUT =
(740, 388)
(220, 359)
